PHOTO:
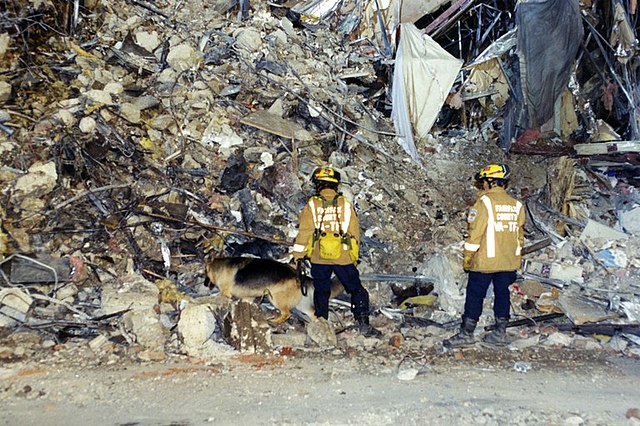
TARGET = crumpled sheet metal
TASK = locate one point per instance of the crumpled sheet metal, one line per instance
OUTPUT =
(312, 12)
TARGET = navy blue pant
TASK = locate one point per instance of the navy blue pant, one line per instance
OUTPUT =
(477, 289)
(350, 279)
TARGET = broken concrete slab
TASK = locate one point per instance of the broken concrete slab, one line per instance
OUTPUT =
(145, 327)
(264, 120)
(554, 271)
(630, 220)
(131, 291)
(321, 332)
(40, 179)
(582, 311)
(610, 147)
(597, 234)
(290, 339)
(14, 306)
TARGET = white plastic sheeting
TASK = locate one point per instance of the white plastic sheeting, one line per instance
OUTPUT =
(423, 75)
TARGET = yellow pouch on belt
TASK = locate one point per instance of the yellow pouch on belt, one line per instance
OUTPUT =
(354, 250)
(330, 245)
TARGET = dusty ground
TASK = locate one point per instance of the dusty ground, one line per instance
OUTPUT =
(69, 385)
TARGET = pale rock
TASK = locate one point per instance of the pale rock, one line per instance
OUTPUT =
(151, 355)
(87, 125)
(226, 138)
(182, 57)
(98, 342)
(321, 332)
(573, 421)
(280, 37)
(197, 324)
(69, 290)
(48, 344)
(291, 339)
(99, 96)
(145, 325)
(148, 40)
(133, 21)
(40, 179)
(66, 117)
(130, 112)
(617, 343)
(145, 102)
(5, 91)
(4, 44)
(135, 292)
(196, 327)
(113, 88)
(630, 220)
(520, 344)
(558, 339)
(277, 107)
(287, 26)
(248, 39)
(267, 160)
(8, 147)
(167, 76)
(162, 122)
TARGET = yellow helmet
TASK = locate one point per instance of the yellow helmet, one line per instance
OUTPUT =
(494, 171)
(325, 174)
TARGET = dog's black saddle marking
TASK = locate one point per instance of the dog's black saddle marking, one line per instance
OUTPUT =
(261, 272)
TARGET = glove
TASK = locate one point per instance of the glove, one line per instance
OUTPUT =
(466, 262)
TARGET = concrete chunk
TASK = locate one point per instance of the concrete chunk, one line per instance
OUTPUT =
(582, 311)
(14, 305)
(597, 234)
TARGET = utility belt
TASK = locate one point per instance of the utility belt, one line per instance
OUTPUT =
(332, 244)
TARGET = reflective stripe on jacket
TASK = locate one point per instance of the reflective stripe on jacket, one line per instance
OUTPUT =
(496, 232)
(331, 218)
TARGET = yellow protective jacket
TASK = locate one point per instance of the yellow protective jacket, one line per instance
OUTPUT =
(496, 233)
(329, 216)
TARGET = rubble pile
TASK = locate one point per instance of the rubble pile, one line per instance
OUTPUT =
(138, 137)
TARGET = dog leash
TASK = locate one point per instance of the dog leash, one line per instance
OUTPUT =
(301, 275)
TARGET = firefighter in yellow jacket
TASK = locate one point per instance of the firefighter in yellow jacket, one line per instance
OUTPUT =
(492, 254)
(329, 236)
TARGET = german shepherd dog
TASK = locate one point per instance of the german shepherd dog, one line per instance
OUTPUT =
(247, 278)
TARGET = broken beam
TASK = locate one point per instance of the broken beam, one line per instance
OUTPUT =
(612, 147)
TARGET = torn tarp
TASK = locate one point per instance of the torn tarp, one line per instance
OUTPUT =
(549, 35)
(423, 75)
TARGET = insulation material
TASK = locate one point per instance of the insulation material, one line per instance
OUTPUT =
(423, 75)
(549, 35)
(488, 75)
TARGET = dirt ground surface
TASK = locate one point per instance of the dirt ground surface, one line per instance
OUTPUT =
(478, 385)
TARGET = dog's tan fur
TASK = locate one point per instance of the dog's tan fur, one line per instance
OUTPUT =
(248, 278)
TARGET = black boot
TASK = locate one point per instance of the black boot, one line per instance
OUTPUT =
(498, 335)
(464, 337)
(365, 328)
